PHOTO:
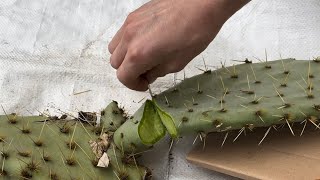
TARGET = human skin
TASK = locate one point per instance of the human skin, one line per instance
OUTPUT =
(163, 36)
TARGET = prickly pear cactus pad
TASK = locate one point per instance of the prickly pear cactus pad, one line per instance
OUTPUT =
(39, 147)
(241, 97)
(236, 98)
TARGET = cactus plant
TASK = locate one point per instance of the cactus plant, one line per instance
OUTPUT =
(240, 97)
(40, 147)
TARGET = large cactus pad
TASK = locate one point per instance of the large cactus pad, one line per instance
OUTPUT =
(243, 96)
(40, 147)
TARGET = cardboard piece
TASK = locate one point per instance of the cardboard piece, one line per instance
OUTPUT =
(280, 156)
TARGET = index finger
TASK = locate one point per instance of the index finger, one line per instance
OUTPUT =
(131, 74)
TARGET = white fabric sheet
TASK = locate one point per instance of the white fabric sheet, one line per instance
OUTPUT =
(50, 50)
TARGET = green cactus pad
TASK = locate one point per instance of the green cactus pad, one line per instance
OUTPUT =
(240, 97)
(248, 95)
(38, 147)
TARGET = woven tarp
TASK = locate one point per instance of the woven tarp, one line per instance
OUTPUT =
(53, 55)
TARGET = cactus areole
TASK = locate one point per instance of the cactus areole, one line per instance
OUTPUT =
(239, 97)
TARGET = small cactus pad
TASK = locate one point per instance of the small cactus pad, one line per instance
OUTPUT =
(38, 147)
(112, 117)
(248, 95)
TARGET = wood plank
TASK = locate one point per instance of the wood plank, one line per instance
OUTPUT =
(280, 156)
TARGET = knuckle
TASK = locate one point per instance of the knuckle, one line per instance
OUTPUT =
(131, 16)
(135, 55)
(129, 31)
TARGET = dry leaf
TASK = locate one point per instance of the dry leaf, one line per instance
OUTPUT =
(104, 161)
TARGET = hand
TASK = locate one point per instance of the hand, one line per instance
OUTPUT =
(163, 36)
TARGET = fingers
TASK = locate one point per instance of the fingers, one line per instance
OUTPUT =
(137, 83)
(118, 55)
(119, 45)
(132, 17)
(158, 71)
(138, 75)
(119, 35)
(163, 69)
(131, 72)
(115, 40)
(138, 69)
